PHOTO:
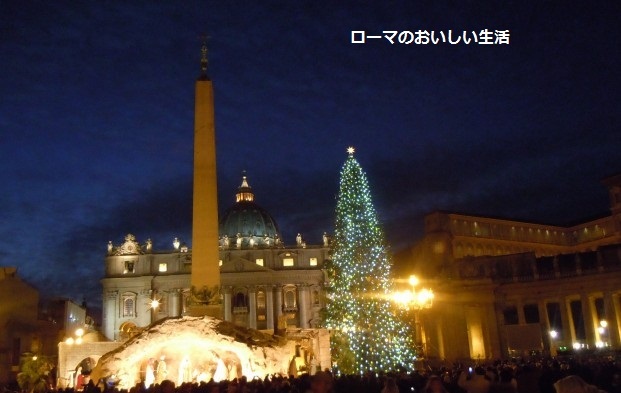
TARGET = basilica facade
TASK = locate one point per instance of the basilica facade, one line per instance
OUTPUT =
(265, 284)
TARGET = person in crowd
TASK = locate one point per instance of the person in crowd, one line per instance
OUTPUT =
(506, 382)
(575, 384)
(321, 382)
(434, 385)
(390, 386)
(167, 386)
(474, 382)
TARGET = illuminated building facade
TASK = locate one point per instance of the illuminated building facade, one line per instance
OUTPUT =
(506, 287)
(265, 284)
(238, 270)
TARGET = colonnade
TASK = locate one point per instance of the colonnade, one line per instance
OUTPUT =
(279, 300)
(601, 324)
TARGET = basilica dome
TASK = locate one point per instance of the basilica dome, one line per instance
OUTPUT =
(246, 224)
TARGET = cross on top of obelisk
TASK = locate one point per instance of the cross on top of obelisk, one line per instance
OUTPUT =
(204, 61)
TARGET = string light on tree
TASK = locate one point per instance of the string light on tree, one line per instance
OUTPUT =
(367, 336)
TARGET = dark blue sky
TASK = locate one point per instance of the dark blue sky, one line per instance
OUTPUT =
(96, 117)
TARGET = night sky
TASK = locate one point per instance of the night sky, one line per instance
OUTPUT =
(96, 118)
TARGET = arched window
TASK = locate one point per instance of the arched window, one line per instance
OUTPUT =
(261, 310)
(290, 299)
(240, 303)
(261, 300)
(240, 300)
(128, 305)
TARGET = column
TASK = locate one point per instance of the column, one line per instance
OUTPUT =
(612, 318)
(252, 307)
(174, 301)
(587, 315)
(185, 295)
(440, 339)
(544, 318)
(475, 331)
(303, 306)
(277, 306)
(569, 335)
(227, 304)
(544, 321)
(520, 313)
(269, 304)
(502, 331)
(492, 332)
(144, 313)
(110, 313)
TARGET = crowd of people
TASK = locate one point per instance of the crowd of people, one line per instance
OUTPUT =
(572, 375)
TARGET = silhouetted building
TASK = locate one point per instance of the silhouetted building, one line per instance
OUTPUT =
(25, 328)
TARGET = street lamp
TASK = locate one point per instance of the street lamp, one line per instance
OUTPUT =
(154, 304)
(79, 333)
(416, 300)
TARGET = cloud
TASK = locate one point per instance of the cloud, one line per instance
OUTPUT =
(159, 212)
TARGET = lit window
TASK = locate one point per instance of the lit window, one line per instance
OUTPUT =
(259, 261)
(287, 262)
(261, 301)
(129, 304)
(313, 261)
(128, 308)
(220, 262)
(129, 267)
(163, 267)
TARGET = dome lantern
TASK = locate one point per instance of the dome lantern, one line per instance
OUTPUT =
(244, 192)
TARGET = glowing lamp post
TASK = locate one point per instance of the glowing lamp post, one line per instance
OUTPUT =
(416, 300)
(154, 304)
(79, 333)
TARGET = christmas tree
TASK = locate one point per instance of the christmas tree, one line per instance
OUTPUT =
(366, 334)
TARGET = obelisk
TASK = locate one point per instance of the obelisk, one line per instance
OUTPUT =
(205, 279)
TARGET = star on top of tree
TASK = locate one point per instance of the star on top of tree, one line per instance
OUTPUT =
(351, 150)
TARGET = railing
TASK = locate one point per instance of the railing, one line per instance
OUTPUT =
(240, 310)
